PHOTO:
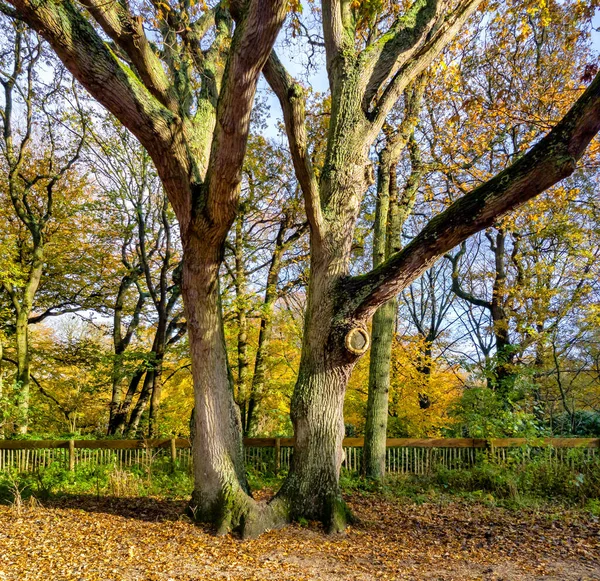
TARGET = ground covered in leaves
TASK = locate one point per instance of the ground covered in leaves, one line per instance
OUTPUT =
(143, 539)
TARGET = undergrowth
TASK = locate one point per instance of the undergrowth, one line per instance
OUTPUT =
(515, 482)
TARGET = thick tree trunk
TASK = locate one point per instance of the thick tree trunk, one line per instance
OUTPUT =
(221, 493)
(312, 489)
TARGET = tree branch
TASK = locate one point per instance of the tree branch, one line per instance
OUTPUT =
(291, 98)
(431, 39)
(456, 288)
(127, 31)
(333, 33)
(252, 42)
(551, 160)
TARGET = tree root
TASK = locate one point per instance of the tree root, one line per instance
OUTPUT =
(239, 512)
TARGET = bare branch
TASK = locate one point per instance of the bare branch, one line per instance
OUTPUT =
(457, 288)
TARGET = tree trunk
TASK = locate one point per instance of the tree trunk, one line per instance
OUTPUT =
(142, 402)
(23, 373)
(329, 352)
(257, 387)
(391, 213)
(242, 321)
(2, 419)
(155, 401)
(504, 374)
(221, 490)
(374, 450)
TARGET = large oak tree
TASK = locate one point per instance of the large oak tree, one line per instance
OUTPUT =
(195, 128)
(185, 90)
(372, 55)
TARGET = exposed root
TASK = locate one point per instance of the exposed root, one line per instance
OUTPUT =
(240, 513)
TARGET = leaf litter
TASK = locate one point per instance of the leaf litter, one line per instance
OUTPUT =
(146, 539)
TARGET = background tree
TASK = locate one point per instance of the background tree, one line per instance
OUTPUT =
(151, 274)
(38, 156)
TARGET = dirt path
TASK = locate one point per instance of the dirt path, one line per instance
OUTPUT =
(146, 540)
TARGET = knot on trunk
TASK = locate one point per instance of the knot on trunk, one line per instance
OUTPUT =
(357, 341)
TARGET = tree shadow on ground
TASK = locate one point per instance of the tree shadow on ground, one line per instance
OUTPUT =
(148, 509)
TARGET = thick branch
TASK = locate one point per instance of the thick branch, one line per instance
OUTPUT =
(127, 32)
(413, 62)
(551, 160)
(291, 98)
(333, 33)
(252, 43)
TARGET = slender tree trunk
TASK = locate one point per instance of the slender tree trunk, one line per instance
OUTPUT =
(391, 213)
(142, 402)
(155, 401)
(504, 374)
(242, 321)
(374, 450)
(23, 372)
(119, 420)
(257, 387)
(1, 390)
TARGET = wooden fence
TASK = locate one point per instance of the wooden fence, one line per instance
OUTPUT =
(404, 455)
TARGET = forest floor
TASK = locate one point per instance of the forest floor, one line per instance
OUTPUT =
(145, 539)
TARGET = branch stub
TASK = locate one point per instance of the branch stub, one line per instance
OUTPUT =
(357, 341)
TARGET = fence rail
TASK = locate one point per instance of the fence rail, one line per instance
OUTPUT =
(404, 455)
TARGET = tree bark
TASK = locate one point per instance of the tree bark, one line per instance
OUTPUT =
(311, 489)
(374, 451)
(221, 492)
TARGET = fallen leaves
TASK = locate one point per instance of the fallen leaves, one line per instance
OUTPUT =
(141, 539)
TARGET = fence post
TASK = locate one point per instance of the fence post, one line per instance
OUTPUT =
(277, 454)
(71, 455)
(174, 452)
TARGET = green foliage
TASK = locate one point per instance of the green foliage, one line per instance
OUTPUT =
(528, 476)
(576, 480)
(581, 423)
(481, 413)
(156, 478)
